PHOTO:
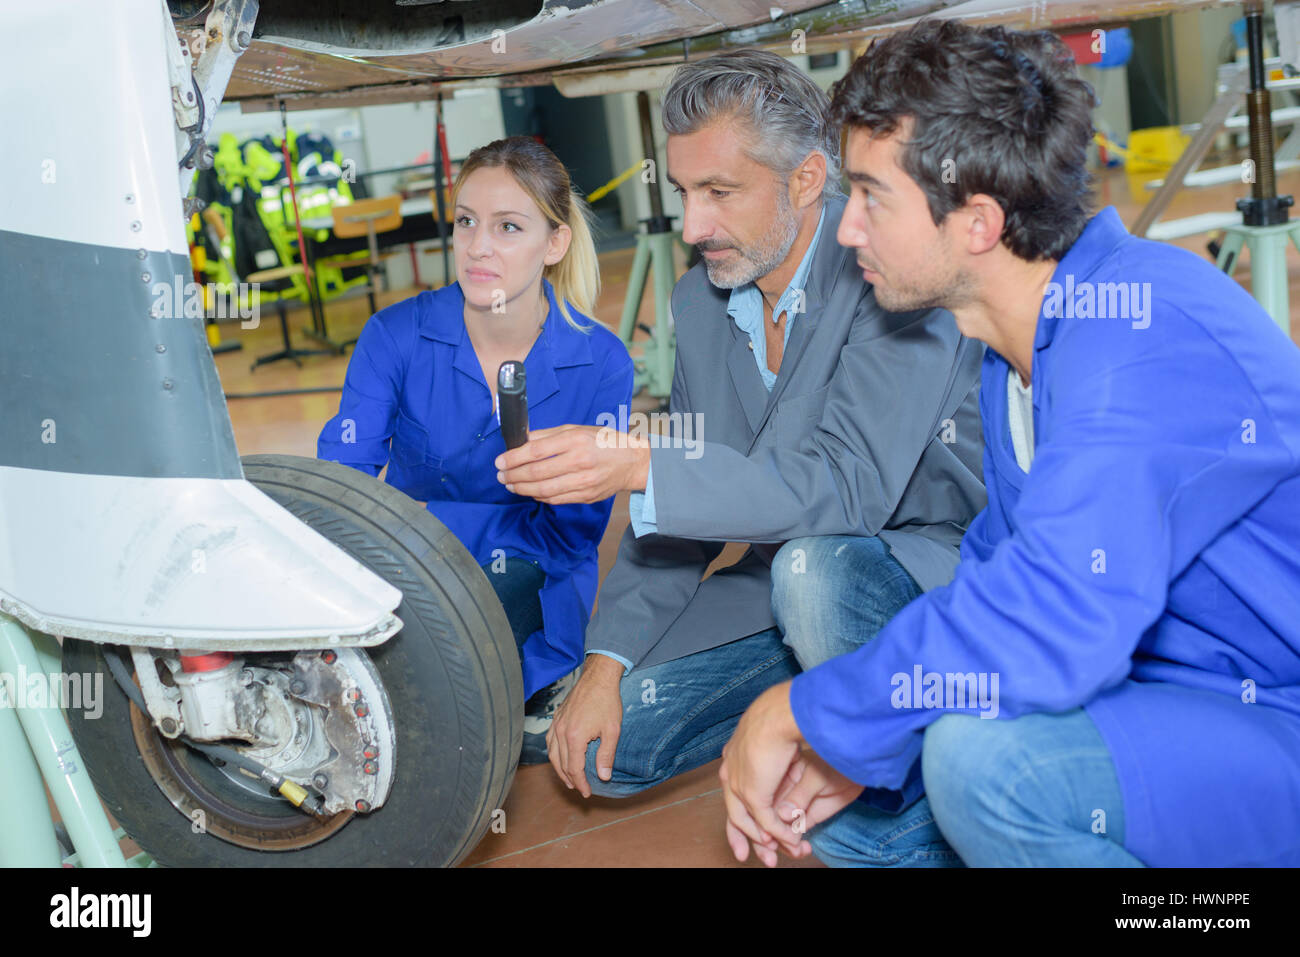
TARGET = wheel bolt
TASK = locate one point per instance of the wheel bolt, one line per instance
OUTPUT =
(363, 806)
(371, 751)
(370, 767)
(297, 686)
(321, 781)
(329, 657)
(361, 710)
(352, 694)
(168, 725)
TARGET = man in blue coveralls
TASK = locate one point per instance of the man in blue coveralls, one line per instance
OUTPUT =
(1113, 676)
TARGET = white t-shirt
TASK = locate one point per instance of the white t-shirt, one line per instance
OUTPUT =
(1020, 417)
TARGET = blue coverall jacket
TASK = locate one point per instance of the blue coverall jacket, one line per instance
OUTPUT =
(415, 381)
(1146, 568)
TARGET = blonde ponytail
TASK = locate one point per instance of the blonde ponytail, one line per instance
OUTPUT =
(576, 277)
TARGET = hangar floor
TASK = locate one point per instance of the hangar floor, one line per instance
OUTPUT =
(681, 823)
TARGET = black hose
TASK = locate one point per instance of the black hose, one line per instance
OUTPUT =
(196, 139)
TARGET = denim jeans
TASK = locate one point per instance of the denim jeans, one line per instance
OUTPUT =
(517, 585)
(677, 715)
(1036, 790)
(832, 594)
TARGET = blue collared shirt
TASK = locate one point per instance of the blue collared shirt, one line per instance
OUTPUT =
(415, 399)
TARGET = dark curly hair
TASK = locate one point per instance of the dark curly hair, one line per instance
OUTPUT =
(993, 111)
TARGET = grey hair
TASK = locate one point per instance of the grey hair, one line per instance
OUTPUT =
(788, 115)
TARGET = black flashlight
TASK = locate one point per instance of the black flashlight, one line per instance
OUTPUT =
(512, 403)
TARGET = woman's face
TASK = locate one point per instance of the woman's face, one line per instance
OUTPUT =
(502, 243)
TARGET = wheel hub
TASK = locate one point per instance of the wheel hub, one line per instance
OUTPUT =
(321, 720)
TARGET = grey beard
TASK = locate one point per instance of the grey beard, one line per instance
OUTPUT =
(768, 253)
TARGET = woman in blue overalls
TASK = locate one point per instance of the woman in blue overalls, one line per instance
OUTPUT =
(423, 378)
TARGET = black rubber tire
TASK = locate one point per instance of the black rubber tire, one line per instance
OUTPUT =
(451, 674)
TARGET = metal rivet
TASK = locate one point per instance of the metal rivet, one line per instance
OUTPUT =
(160, 348)
(136, 226)
(130, 197)
(140, 254)
(167, 384)
(145, 277)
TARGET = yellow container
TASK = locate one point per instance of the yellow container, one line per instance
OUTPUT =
(1150, 155)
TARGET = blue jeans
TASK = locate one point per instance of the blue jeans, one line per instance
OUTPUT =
(832, 594)
(677, 715)
(517, 585)
(1036, 790)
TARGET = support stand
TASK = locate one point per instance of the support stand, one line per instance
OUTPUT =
(654, 252)
(1266, 228)
(1268, 273)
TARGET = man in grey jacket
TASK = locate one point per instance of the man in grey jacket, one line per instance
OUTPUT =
(820, 414)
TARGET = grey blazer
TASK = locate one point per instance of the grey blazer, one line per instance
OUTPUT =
(872, 428)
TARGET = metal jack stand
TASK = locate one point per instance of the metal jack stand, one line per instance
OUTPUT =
(1266, 227)
(654, 251)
